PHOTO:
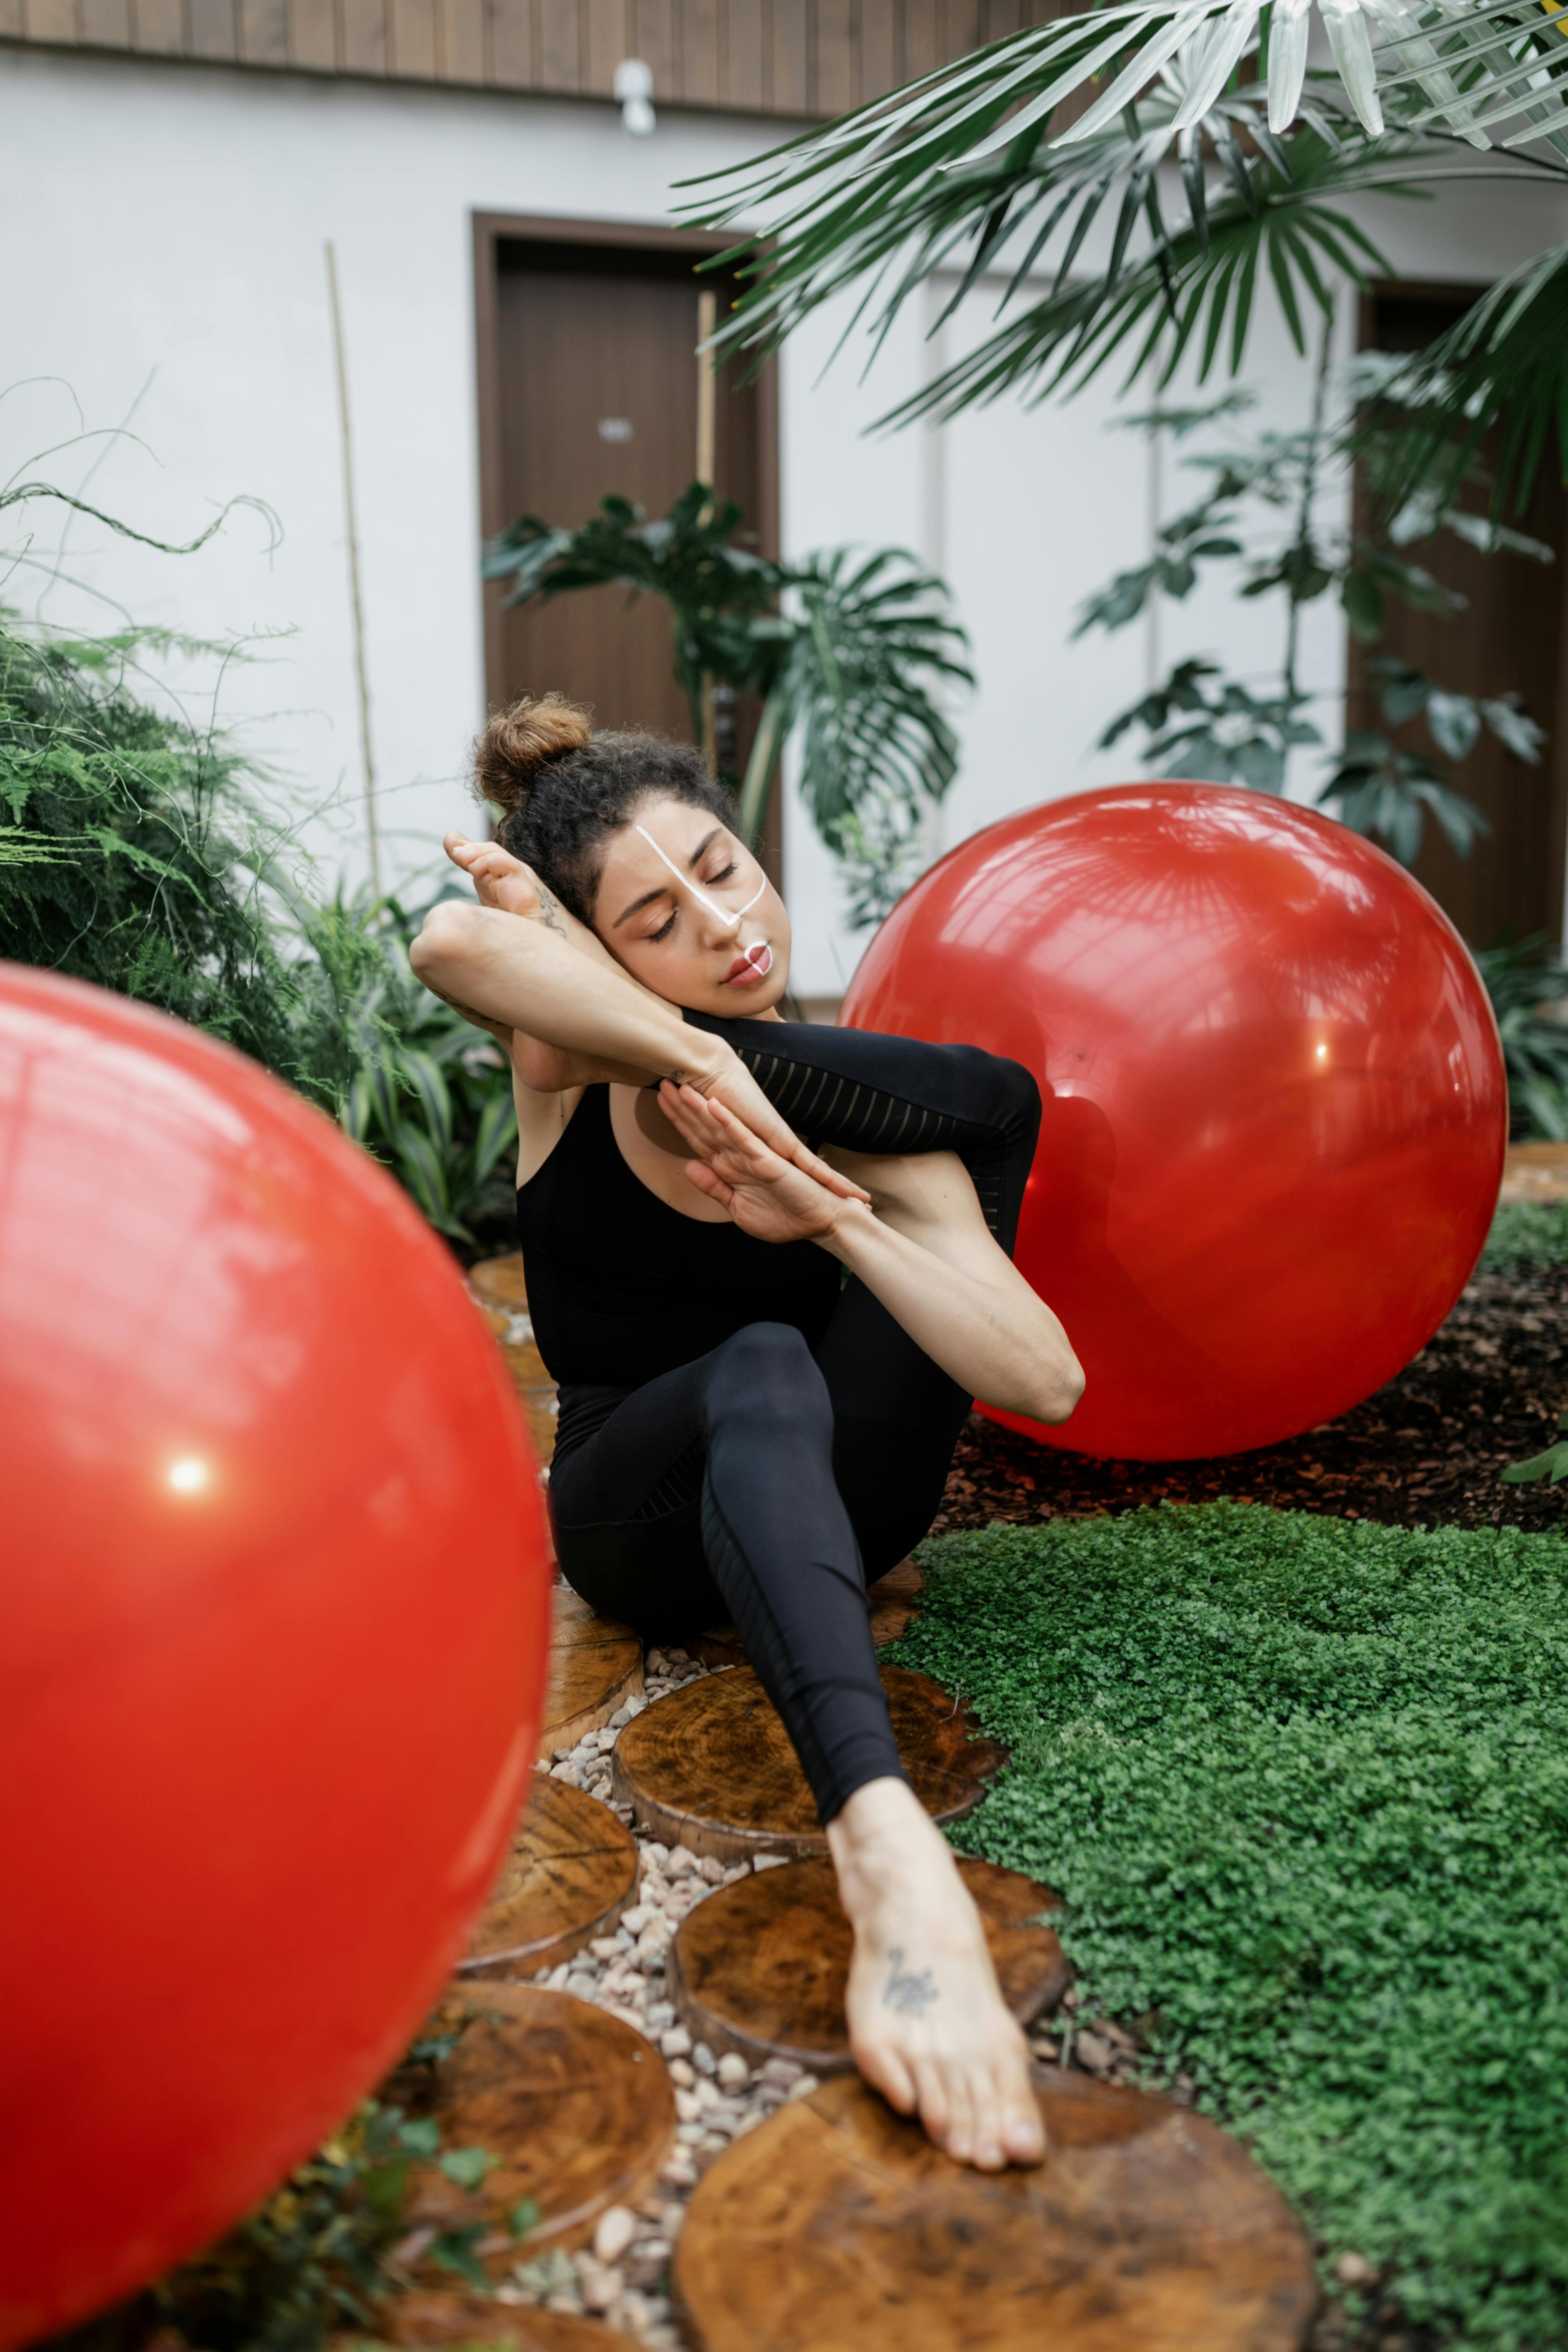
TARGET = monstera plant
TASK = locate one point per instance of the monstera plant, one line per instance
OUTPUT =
(848, 652)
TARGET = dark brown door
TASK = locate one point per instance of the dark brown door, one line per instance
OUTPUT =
(1507, 639)
(599, 392)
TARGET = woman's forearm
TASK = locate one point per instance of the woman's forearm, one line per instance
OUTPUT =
(998, 1341)
(523, 975)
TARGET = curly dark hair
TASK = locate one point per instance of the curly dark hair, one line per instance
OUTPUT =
(565, 791)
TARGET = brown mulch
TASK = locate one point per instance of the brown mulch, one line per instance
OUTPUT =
(1429, 1448)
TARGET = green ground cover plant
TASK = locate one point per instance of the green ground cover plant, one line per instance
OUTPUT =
(1527, 1233)
(1303, 1786)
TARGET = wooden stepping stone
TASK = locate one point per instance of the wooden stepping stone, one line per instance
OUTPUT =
(576, 2107)
(711, 1767)
(760, 1968)
(426, 2317)
(893, 1598)
(837, 2227)
(596, 1665)
(1535, 1172)
(498, 1281)
(571, 1872)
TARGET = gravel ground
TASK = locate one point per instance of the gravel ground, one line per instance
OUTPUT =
(1429, 1447)
(624, 2276)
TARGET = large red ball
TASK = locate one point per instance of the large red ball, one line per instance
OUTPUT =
(272, 1637)
(1275, 1107)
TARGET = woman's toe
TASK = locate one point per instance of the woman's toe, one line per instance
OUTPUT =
(935, 2107)
(959, 2140)
(886, 2071)
(1023, 2132)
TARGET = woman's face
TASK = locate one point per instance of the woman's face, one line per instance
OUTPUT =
(690, 913)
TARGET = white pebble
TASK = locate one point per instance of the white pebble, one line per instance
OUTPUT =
(768, 1860)
(602, 2290)
(688, 2106)
(607, 1947)
(782, 2071)
(733, 2071)
(680, 1862)
(712, 1869)
(616, 2228)
(675, 2042)
(634, 1708)
(622, 1716)
(681, 2074)
(637, 1919)
(703, 2059)
(804, 2087)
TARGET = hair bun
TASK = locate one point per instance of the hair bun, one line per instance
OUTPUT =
(523, 738)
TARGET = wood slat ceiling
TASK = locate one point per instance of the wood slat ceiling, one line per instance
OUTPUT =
(795, 58)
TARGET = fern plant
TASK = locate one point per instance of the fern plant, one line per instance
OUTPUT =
(138, 852)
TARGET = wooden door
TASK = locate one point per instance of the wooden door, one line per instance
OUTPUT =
(597, 390)
(1509, 638)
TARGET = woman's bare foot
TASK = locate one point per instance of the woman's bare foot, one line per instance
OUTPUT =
(928, 2025)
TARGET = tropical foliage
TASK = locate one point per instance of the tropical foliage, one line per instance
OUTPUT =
(1529, 989)
(849, 653)
(1260, 519)
(140, 852)
(961, 172)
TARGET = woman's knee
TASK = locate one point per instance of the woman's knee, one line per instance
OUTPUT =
(766, 1366)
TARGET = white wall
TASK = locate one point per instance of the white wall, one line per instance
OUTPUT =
(165, 265)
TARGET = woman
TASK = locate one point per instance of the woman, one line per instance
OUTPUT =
(767, 1264)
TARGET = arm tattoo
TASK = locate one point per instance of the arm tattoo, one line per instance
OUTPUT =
(910, 1993)
(549, 908)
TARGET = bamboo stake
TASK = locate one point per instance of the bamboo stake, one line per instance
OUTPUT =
(356, 603)
(707, 434)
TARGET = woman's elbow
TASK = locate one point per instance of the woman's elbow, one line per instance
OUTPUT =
(1062, 1389)
(442, 942)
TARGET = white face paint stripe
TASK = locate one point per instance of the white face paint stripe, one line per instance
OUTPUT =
(733, 921)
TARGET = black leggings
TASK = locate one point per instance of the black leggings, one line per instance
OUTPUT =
(770, 1481)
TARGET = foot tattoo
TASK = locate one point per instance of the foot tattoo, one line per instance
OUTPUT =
(910, 1994)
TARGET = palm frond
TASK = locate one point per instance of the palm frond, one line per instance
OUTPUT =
(1502, 368)
(958, 173)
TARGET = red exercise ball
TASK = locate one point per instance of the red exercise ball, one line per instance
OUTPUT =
(272, 1638)
(1275, 1107)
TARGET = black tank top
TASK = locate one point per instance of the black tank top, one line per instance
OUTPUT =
(623, 1287)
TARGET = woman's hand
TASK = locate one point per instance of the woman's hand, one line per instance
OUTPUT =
(733, 1089)
(500, 879)
(771, 1197)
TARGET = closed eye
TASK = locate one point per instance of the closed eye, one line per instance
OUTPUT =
(665, 928)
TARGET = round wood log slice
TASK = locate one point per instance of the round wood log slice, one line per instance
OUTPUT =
(428, 2316)
(596, 1665)
(893, 1599)
(571, 1872)
(837, 2227)
(498, 1281)
(577, 2108)
(711, 1767)
(760, 1968)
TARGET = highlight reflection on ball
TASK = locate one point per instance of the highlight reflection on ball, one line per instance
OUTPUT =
(1275, 1104)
